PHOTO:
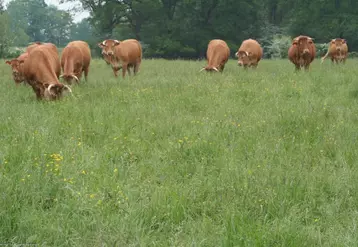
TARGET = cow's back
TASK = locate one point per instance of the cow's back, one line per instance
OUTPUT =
(129, 51)
(36, 44)
(42, 64)
(85, 50)
(217, 48)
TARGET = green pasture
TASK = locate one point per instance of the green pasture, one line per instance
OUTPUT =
(173, 157)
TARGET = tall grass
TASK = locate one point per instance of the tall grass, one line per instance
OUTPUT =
(173, 157)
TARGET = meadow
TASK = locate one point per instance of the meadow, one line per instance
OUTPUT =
(173, 157)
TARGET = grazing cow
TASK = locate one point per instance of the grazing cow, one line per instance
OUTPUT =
(37, 43)
(302, 52)
(217, 55)
(128, 53)
(249, 53)
(75, 59)
(42, 70)
(17, 67)
(337, 50)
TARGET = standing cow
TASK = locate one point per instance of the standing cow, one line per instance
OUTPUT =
(249, 53)
(75, 59)
(123, 55)
(302, 52)
(17, 67)
(41, 70)
(217, 55)
(337, 51)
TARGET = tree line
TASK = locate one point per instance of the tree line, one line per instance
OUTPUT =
(25, 21)
(183, 28)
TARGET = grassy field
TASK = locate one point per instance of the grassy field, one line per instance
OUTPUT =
(173, 157)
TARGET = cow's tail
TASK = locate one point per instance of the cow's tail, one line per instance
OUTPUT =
(325, 56)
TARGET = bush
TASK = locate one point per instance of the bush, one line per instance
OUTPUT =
(353, 54)
(321, 49)
(278, 47)
(13, 52)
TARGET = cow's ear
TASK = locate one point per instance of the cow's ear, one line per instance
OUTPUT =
(344, 41)
(100, 45)
(116, 42)
(8, 61)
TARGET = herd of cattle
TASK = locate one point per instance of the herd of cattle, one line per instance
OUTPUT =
(40, 65)
(301, 53)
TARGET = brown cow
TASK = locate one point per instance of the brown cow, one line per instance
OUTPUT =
(337, 50)
(106, 58)
(17, 67)
(249, 53)
(41, 70)
(217, 55)
(127, 52)
(302, 52)
(75, 59)
(37, 43)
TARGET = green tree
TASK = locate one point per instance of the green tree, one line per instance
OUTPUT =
(58, 26)
(34, 20)
(183, 28)
(82, 31)
(4, 34)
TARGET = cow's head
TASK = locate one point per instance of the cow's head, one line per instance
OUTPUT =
(303, 43)
(69, 78)
(209, 69)
(17, 69)
(338, 43)
(55, 91)
(243, 57)
(108, 46)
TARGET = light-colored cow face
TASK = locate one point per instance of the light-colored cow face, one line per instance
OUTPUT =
(56, 91)
(108, 46)
(338, 43)
(17, 70)
(303, 44)
(243, 58)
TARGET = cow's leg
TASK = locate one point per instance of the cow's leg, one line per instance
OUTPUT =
(85, 70)
(129, 69)
(37, 91)
(124, 69)
(115, 71)
(297, 67)
(136, 68)
(307, 67)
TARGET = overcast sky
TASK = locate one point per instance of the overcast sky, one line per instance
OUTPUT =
(65, 6)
